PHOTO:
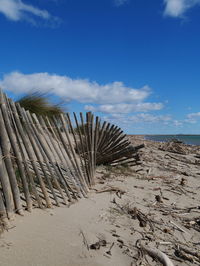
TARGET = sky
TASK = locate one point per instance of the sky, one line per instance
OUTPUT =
(135, 63)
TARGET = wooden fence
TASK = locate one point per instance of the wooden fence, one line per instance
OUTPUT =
(46, 162)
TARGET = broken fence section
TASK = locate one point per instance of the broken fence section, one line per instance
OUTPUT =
(46, 162)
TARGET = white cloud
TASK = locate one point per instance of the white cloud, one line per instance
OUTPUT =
(193, 115)
(138, 118)
(81, 90)
(17, 10)
(177, 8)
(120, 2)
(192, 118)
(191, 121)
(125, 107)
(177, 123)
(149, 118)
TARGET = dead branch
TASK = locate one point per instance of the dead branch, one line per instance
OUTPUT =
(111, 189)
(157, 254)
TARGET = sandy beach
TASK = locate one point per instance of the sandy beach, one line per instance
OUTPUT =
(154, 204)
(100, 133)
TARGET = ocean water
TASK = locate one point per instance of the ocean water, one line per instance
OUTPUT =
(187, 139)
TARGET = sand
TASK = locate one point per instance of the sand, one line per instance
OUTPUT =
(62, 236)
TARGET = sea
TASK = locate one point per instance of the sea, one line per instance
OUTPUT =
(187, 139)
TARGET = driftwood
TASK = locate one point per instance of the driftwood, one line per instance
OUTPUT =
(174, 146)
(187, 254)
(178, 227)
(157, 254)
(190, 252)
(111, 189)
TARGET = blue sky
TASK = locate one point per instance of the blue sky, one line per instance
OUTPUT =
(135, 63)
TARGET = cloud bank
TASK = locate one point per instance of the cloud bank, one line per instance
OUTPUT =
(17, 10)
(138, 118)
(125, 107)
(177, 8)
(119, 103)
(81, 90)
